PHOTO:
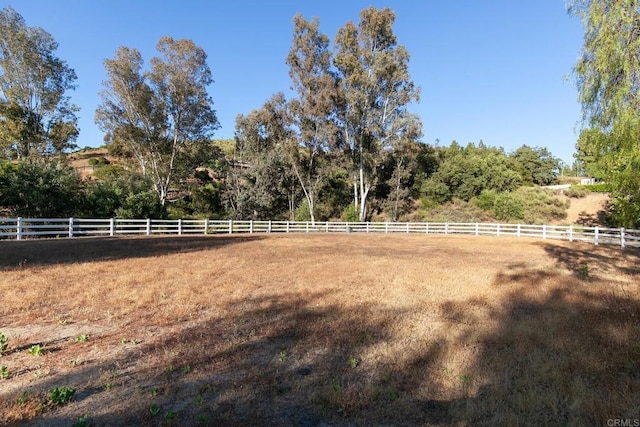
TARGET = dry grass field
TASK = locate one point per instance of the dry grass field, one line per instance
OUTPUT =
(319, 330)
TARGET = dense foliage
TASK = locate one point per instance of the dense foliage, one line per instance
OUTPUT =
(344, 146)
(608, 76)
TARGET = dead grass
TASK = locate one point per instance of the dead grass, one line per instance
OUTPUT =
(320, 330)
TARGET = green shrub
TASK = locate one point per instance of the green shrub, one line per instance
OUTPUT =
(350, 214)
(302, 211)
(61, 395)
(509, 207)
(601, 187)
(486, 200)
(542, 206)
(99, 161)
(576, 192)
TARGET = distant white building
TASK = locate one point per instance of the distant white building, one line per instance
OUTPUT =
(587, 181)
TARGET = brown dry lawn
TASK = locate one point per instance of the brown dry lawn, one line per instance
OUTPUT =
(320, 330)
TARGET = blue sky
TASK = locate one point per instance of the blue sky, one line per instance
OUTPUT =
(491, 70)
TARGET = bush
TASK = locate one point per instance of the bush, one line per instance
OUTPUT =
(99, 161)
(509, 207)
(486, 200)
(576, 192)
(601, 187)
(140, 205)
(350, 214)
(302, 212)
(541, 206)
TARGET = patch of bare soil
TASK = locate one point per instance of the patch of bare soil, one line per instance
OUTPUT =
(311, 329)
(589, 210)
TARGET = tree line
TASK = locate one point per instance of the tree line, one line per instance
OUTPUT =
(344, 145)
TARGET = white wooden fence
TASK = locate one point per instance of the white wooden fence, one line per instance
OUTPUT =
(25, 228)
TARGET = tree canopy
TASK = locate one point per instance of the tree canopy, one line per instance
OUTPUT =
(37, 117)
(157, 115)
(608, 77)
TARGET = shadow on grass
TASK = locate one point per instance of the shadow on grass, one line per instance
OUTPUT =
(549, 350)
(565, 349)
(42, 252)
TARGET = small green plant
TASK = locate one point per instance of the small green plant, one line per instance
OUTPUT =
(283, 355)
(36, 350)
(82, 338)
(135, 341)
(108, 386)
(3, 343)
(392, 395)
(353, 362)
(73, 363)
(124, 341)
(24, 398)
(203, 419)
(154, 409)
(447, 371)
(4, 372)
(336, 387)
(464, 378)
(171, 368)
(199, 400)
(61, 395)
(186, 369)
(170, 414)
(81, 422)
(584, 271)
(154, 391)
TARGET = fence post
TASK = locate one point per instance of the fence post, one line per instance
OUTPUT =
(287, 226)
(386, 227)
(148, 226)
(269, 228)
(426, 228)
(71, 227)
(206, 226)
(19, 228)
(180, 227)
(251, 227)
(498, 229)
(544, 231)
(622, 243)
(326, 227)
(595, 236)
(477, 229)
(518, 232)
(367, 227)
(112, 226)
(306, 227)
(571, 233)
(446, 228)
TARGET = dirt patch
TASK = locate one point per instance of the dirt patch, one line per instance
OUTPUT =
(320, 330)
(589, 210)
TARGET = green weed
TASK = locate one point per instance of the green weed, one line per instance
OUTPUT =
(82, 338)
(61, 395)
(3, 343)
(353, 362)
(154, 409)
(4, 372)
(36, 350)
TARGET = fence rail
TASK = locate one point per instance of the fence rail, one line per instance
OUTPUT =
(25, 228)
